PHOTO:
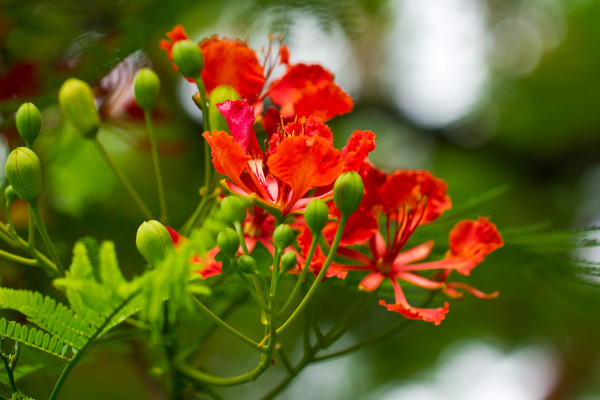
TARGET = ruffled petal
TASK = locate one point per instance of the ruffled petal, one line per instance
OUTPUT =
(307, 90)
(435, 315)
(360, 144)
(471, 241)
(304, 162)
(233, 63)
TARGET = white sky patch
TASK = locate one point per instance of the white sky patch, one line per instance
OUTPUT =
(436, 66)
(475, 371)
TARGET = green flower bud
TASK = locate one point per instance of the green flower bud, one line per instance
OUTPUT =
(10, 194)
(146, 88)
(283, 236)
(77, 105)
(348, 192)
(29, 122)
(233, 210)
(247, 264)
(154, 242)
(188, 58)
(316, 215)
(219, 95)
(24, 174)
(228, 242)
(288, 260)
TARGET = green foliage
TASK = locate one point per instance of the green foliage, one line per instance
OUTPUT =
(32, 337)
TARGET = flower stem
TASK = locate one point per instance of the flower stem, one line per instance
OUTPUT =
(319, 278)
(156, 163)
(224, 324)
(47, 242)
(121, 177)
(298, 284)
(31, 231)
(22, 260)
(10, 375)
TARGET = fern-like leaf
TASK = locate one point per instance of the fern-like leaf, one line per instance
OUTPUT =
(35, 338)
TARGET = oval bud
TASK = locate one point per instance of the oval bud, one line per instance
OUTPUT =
(348, 192)
(29, 122)
(247, 264)
(233, 209)
(283, 236)
(316, 215)
(288, 260)
(24, 174)
(77, 105)
(228, 242)
(219, 95)
(188, 58)
(154, 242)
(146, 88)
(10, 194)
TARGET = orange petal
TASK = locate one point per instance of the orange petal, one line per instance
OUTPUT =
(473, 240)
(304, 162)
(228, 157)
(231, 62)
(360, 144)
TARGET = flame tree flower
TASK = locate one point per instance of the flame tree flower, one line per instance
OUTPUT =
(303, 91)
(405, 200)
(299, 157)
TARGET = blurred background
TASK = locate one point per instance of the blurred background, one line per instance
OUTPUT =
(497, 97)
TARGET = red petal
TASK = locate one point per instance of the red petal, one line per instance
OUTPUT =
(240, 119)
(231, 62)
(472, 240)
(228, 157)
(307, 90)
(304, 162)
(435, 315)
(371, 281)
(175, 236)
(360, 144)
(414, 188)
(450, 289)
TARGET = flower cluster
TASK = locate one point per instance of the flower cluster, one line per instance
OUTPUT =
(298, 164)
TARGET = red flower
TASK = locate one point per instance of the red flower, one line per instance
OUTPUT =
(303, 91)
(207, 263)
(408, 199)
(299, 158)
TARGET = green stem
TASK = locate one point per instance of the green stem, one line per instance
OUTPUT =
(21, 260)
(155, 161)
(170, 347)
(65, 372)
(319, 279)
(31, 232)
(377, 337)
(206, 126)
(298, 284)
(9, 373)
(19, 243)
(240, 234)
(225, 325)
(47, 242)
(121, 177)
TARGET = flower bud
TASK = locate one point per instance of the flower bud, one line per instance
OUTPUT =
(24, 174)
(283, 236)
(154, 242)
(348, 192)
(77, 105)
(146, 88)
(288, 260)
(10, 194)
(217, 96)
(233, 209)
(316, 215)
(247, 264)
(228, 242)
(29, 122)
(188, 58)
